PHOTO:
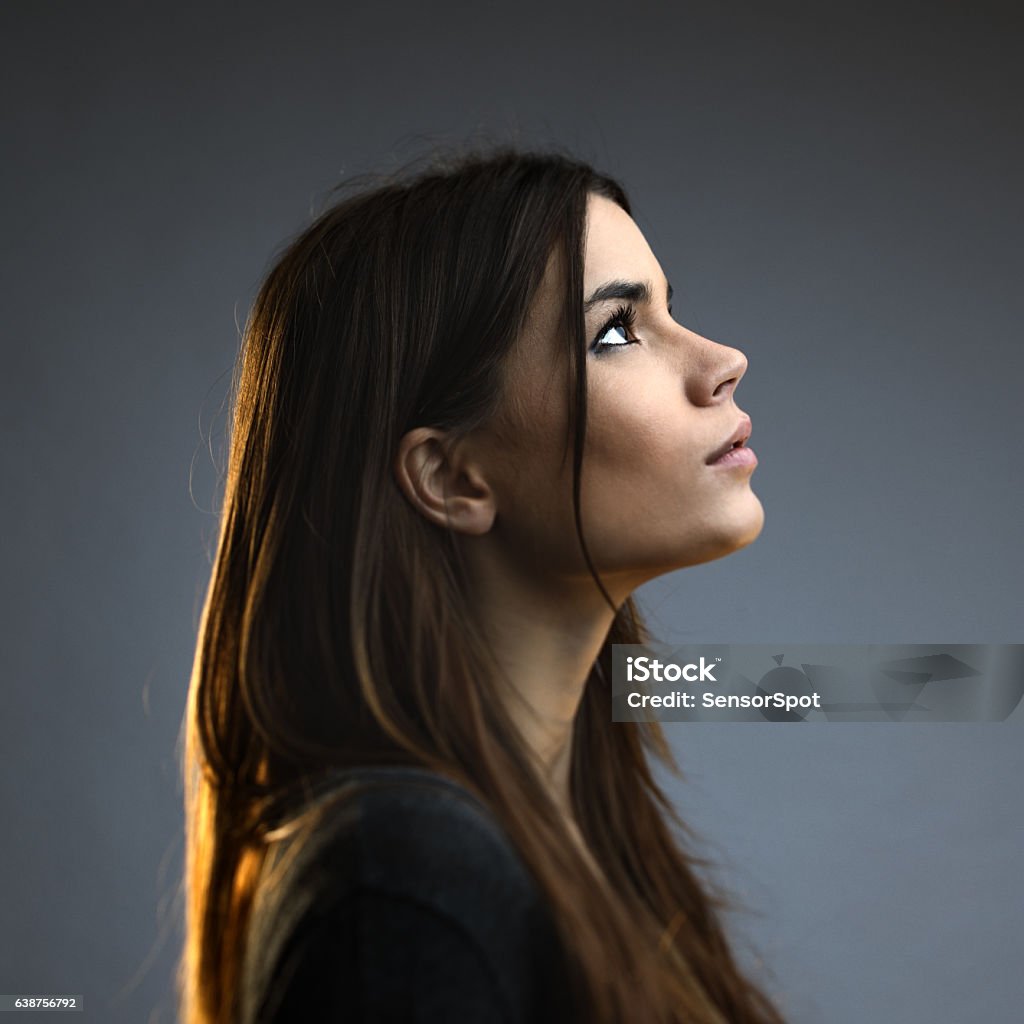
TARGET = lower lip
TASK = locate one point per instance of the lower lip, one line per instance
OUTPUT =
(742, 456)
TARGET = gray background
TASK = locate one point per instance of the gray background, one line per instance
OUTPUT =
(833, 188)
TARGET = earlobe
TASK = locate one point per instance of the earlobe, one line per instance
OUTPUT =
(447, 491)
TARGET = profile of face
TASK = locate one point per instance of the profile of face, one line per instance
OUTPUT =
(661, 407)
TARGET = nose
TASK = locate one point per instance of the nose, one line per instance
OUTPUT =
(718, 371)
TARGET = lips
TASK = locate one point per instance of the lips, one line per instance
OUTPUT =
(737, 439)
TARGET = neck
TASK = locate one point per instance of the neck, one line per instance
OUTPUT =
(545, 639)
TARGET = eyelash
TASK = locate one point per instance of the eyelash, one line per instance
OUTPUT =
(624, 316)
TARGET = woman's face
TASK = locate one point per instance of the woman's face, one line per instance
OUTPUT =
(661, 405)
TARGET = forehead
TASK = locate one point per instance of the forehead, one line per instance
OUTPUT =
(615, 248)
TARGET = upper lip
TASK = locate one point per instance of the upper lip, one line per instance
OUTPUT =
(736, 438)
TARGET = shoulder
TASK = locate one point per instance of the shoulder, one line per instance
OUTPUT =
(412, 866)
(422, 835)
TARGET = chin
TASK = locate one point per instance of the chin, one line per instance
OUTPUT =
(751, 528)
(741, 528)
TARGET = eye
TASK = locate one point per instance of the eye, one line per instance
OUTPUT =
(617, 327)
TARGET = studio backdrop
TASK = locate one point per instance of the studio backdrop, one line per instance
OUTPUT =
(832, 188)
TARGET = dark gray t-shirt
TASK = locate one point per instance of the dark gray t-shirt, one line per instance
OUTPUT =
(409, 904)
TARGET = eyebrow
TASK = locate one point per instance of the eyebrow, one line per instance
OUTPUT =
(635, 291)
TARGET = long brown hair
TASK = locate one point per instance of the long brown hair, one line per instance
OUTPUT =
(339, 628)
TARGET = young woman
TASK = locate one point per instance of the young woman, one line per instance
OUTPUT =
(466, 427)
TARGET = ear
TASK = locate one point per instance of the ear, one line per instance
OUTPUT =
(441, 484)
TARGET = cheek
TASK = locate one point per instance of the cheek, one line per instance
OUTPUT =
(637, 434)
(647, 498)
